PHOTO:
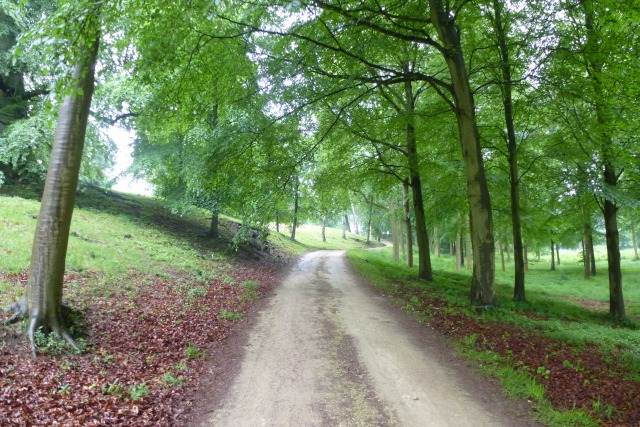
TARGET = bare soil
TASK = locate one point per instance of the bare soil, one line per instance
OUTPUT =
(329, 350)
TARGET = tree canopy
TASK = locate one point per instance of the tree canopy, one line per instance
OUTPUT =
(515, 123)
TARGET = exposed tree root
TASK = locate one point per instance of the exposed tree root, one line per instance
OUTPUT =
(19, 312)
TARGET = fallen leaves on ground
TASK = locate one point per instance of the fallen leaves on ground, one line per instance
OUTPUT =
(145, 349)
(573, 377)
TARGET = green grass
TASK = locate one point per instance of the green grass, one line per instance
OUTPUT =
(102, 245)
(309, 237)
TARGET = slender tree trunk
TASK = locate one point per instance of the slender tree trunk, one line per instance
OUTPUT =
(346, 221)
(369, 222)
(508, 251)
(595, 66)
(592, 254)
(436, 241)
(634, 238)
(407, 223)
(214, 231)
(422, 237)
(512, 149)
(501, 256)
(344, 226)
(296, 195)
(525, 250)
(355, 219)
(553, 256)
(42, 303)
(468, 250)
(451, 247)
(586, 244)
(458, 249)
(324, 226)
(482, 283)
(557, 253)
(616, 299)
(394, 229)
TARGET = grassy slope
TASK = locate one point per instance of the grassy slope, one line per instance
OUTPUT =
(116, 234)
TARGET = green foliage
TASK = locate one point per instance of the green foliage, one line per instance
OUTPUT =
(169, 380)
(113, 389)
(50, 343)
(193, 352)
(251, 291)
(138, 391)
(195, 293)
(229, 315)
(64, 390)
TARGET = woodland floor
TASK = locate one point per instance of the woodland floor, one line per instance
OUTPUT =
(573, 377)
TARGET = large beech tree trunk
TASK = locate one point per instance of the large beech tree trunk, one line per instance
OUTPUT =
(482, 283)
(42, 303)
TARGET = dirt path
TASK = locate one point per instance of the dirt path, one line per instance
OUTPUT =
(330, 351)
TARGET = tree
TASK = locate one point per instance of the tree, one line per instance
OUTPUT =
(42, 303)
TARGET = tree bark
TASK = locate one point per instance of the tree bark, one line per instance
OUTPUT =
(324, 226)
(592, 254)
(553, 256)
(369, 222)
(512, 149)
(482, 283)
(422, 237)
(501, 256)
(586, 245)
(344, 226)
(458, 249)
(634, 238)
(557, 253)
(595, 65)
(346, 221)
(525, 250)
(407, 223)
(468, 250)
(214, 226)
(50, 243)
(436, 242)
(355, 219)
(296, 195)
(394, 230)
